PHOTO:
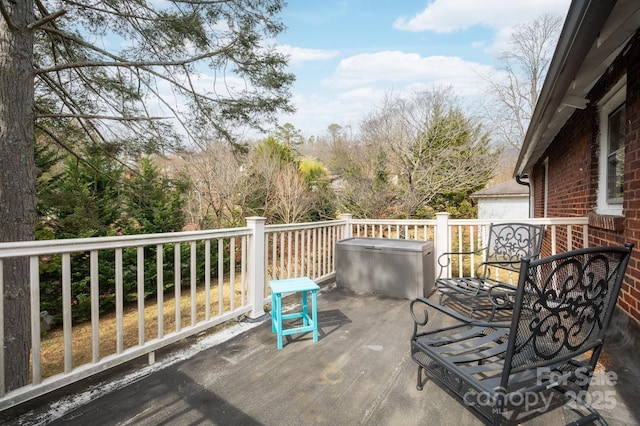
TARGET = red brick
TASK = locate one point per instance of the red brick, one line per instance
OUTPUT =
(573, 171)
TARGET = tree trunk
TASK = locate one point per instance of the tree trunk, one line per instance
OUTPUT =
(17, 180)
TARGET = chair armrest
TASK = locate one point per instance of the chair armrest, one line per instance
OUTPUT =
(444, 260)
(484, 268)
(501, 295)
(450, 312)
(502, 262)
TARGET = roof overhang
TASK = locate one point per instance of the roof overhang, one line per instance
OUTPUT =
(594, 33)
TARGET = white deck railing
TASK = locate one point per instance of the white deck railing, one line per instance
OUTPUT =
(561, 234)
(216, 275)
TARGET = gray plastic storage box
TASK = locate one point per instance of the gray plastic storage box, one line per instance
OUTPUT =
(397, 268)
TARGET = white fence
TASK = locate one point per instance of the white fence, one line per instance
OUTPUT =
(561, 234)
(171, 286)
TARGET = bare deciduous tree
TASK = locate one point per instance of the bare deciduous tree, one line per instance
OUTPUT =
(513, 91)
(290, 199)
(216, 187)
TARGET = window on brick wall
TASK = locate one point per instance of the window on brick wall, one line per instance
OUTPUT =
(611, 156)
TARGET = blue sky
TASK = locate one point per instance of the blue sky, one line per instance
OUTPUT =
(348, 54)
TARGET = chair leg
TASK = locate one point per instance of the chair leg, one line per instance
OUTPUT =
(585, 419)
(419, 385)
(273, 313)
(314, 313)
(279, 320)
(305, 306)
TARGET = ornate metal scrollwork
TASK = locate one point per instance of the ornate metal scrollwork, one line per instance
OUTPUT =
(512, 242)
(564, 304)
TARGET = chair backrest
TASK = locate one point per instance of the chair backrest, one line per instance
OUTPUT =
(563, 306)
(508, 243)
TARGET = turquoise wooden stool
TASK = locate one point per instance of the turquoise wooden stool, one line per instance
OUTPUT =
(309, 322)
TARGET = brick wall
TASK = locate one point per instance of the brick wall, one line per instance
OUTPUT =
(573, 173)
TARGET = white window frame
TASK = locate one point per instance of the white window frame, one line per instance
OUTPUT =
(612, 101)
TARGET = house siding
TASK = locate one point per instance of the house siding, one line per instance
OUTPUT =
(573, 172)
(500, 208)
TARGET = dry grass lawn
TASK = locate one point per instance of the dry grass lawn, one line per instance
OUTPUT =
(52, 343)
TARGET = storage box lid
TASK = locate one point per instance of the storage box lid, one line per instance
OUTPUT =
(387, 244)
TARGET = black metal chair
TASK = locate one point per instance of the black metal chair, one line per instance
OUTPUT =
(507, 244)
(563, 305)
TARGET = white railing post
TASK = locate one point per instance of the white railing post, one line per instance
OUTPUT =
(346, 228)
(256, 267)
(441, 239)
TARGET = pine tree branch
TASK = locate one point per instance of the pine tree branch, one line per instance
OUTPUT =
(65, 147)
(99, 117)
(80, 158)
(5, 15)
(126, 64)
(109, 12)
(46, 19)
(119, 61)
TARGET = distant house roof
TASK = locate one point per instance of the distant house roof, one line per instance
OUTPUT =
(510, 188)
(594, 34)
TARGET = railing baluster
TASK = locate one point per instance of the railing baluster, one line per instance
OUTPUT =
(274, 248)
(192, 280)
(66, 310)
(220, 276)
(140, 295)
(289, 254)
(297, 253)
(160, 288)
(332, 247)
(119, 303)
(34, 283)
(95, 305)
(321, 252)
(461, 248)
(472, 249)
(207, 279)
(315, 252)
(232, 273)
(309, 264)
(243, 268)
(177, 290)
(324, 251)
(281, 251)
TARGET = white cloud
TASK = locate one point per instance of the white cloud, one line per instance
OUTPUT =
(396, 67)
(297, 55)
(446, 16)
(319, 110)
(360, 82)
